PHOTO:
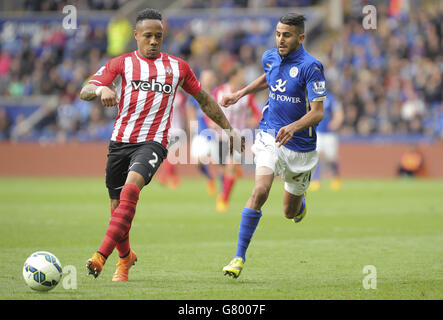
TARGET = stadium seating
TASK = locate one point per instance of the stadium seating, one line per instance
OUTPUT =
(389, 81)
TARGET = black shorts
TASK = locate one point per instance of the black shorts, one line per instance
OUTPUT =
(144, 158)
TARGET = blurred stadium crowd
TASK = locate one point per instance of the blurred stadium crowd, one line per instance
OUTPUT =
(389, 80)
(200, 4)
(57, 5)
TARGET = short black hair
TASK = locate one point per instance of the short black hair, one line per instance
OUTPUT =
(294, 19)
(148, 13)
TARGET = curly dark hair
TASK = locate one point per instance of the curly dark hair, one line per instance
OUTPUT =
(148, 13)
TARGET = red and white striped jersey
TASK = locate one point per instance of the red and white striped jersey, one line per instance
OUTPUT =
(239, 113)
(179, 111)
(146, 89)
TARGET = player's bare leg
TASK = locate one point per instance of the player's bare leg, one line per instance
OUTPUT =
(294, 206)
(264, 178)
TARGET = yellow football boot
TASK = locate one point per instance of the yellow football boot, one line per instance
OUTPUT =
(303, 212)
(335, 184)
(234, 268)
(220, 204)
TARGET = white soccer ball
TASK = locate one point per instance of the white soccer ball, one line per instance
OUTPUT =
(42, 271)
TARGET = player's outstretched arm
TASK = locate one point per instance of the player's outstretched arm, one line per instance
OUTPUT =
(88, 92)
(211, 108)
(255, 86)
(108, 96)
(312, 118)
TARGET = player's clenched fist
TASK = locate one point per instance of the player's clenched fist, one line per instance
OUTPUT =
(108, 96)
(229, 99)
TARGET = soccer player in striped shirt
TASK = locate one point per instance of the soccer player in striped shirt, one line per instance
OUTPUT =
(146, 81)
(244, 114)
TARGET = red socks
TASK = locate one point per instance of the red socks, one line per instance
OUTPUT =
(120, 223)
(123, 246)
(228, 182)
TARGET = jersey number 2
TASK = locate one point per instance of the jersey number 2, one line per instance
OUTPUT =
(153, 162)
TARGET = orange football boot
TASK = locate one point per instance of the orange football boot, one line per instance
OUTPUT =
(95, 264)
(123, 266)
(210, 187)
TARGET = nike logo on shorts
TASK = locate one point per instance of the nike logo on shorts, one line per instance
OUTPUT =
(134, 164)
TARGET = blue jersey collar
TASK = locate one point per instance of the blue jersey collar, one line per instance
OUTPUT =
(295, 54)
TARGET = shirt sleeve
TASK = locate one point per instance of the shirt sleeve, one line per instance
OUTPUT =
(266, 62)
(107, 73)
(316, 82)
(189, 81)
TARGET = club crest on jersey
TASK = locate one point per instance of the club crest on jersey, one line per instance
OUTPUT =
(168, 71)
(153, 85)
(280, 86)
(293, 72)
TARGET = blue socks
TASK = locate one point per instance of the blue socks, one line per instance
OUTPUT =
(204, 169)
(303, 205)
(248, 224)
(334, 168)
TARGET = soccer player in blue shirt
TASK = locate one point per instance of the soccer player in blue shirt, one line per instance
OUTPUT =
(204, 147)
(327, 143)
(286, 142)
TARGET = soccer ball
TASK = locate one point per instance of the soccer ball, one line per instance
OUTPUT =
(42, 271)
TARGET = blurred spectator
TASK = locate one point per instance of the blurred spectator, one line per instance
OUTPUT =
(15, 88)
(5, 125)
(411, 162)
(5, 63)
(98, 128)
(46, 127)
(119, 35)
(67, 119)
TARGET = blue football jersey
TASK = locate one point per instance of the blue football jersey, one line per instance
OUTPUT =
(293, 81)
(330, 105)
(200, 115)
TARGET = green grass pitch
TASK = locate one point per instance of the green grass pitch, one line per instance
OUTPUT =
(182, 243)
